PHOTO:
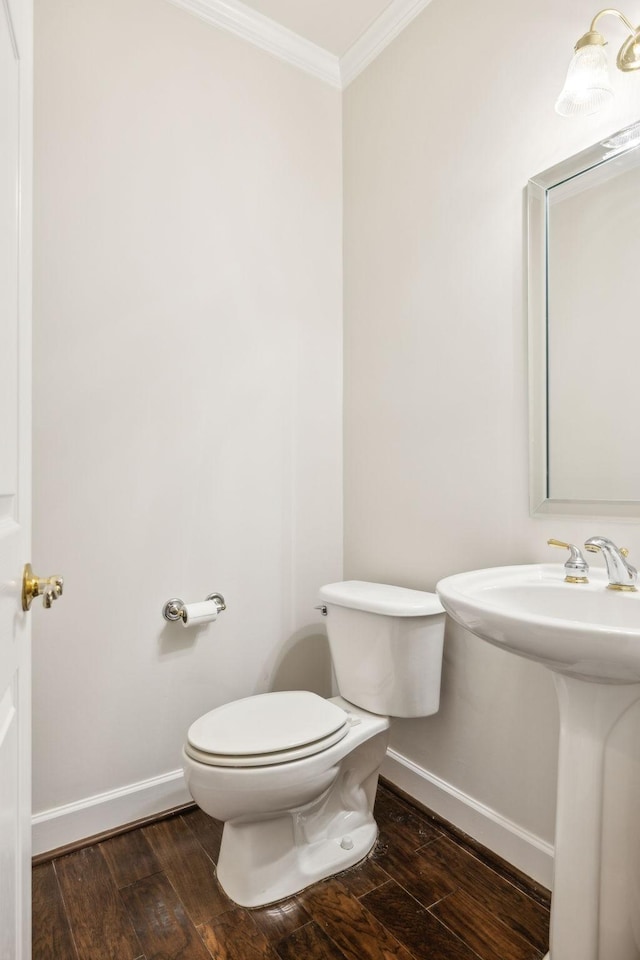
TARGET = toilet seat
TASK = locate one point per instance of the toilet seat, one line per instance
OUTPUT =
(267, 729)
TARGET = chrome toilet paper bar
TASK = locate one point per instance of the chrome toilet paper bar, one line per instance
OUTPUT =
(208, 609)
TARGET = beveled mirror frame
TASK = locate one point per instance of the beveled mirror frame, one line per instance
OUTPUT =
(538, 203)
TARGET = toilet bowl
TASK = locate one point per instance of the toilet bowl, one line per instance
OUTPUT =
(293, 776)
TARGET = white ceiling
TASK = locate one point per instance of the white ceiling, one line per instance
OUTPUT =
(333, 25)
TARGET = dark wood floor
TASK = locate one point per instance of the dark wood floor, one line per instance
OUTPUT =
(424, 894)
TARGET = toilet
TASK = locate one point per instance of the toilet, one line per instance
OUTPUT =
(293, 775)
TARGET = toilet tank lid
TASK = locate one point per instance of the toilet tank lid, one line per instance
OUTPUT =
(381, 598)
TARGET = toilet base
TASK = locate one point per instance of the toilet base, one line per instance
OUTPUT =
(259, 864)
(289, 825)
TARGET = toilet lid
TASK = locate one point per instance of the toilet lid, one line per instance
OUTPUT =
(265, 729)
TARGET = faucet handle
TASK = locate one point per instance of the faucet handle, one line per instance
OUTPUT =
(559, 543)
(576, 568)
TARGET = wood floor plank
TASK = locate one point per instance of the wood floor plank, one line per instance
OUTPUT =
(99, 923)
(309, 943)
(161, 922)
(52, 938)
(235, 936)
(130, 858)
(535, 891)
(421, 876)
(280, 919)
(353, 929)
(207, 830)
(363, 878)
(414, 926)
(189, 869)
(481, 930)
(400, 821)
(509, 904)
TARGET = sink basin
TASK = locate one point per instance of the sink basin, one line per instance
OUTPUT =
(579, 629)
(589, 638)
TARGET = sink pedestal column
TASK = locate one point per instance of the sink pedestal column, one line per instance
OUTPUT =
(588, 713)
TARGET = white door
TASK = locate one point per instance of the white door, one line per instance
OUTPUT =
(15, 466)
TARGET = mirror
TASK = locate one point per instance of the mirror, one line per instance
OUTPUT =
(584, 337)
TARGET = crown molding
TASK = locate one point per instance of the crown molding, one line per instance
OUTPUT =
(245, 22)
(265, 33)
(379, 35)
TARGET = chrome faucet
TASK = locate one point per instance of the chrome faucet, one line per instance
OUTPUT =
(622, 576)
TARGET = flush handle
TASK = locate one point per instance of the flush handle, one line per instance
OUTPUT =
(49, 588)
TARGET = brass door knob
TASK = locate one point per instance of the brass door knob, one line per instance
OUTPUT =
(49, 588)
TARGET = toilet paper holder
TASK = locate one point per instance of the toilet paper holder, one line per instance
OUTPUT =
(174, 609)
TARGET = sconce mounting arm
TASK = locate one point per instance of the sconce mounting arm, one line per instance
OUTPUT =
(614, 13)
(629, 54)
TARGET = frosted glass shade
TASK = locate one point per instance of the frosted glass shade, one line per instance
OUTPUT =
(588, 87)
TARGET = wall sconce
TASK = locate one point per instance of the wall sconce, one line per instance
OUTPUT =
(588, 86)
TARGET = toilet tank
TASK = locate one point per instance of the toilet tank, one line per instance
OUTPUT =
(386, 645)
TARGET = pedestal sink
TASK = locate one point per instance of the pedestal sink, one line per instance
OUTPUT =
(589, 637)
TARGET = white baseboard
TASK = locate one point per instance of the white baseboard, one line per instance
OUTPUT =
(74, 821)
(106, 811)
(514, 844)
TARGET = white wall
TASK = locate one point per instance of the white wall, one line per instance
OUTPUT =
(187, 368)
(441, 134)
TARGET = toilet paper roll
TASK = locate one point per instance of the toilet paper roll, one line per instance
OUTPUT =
(196, 613)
